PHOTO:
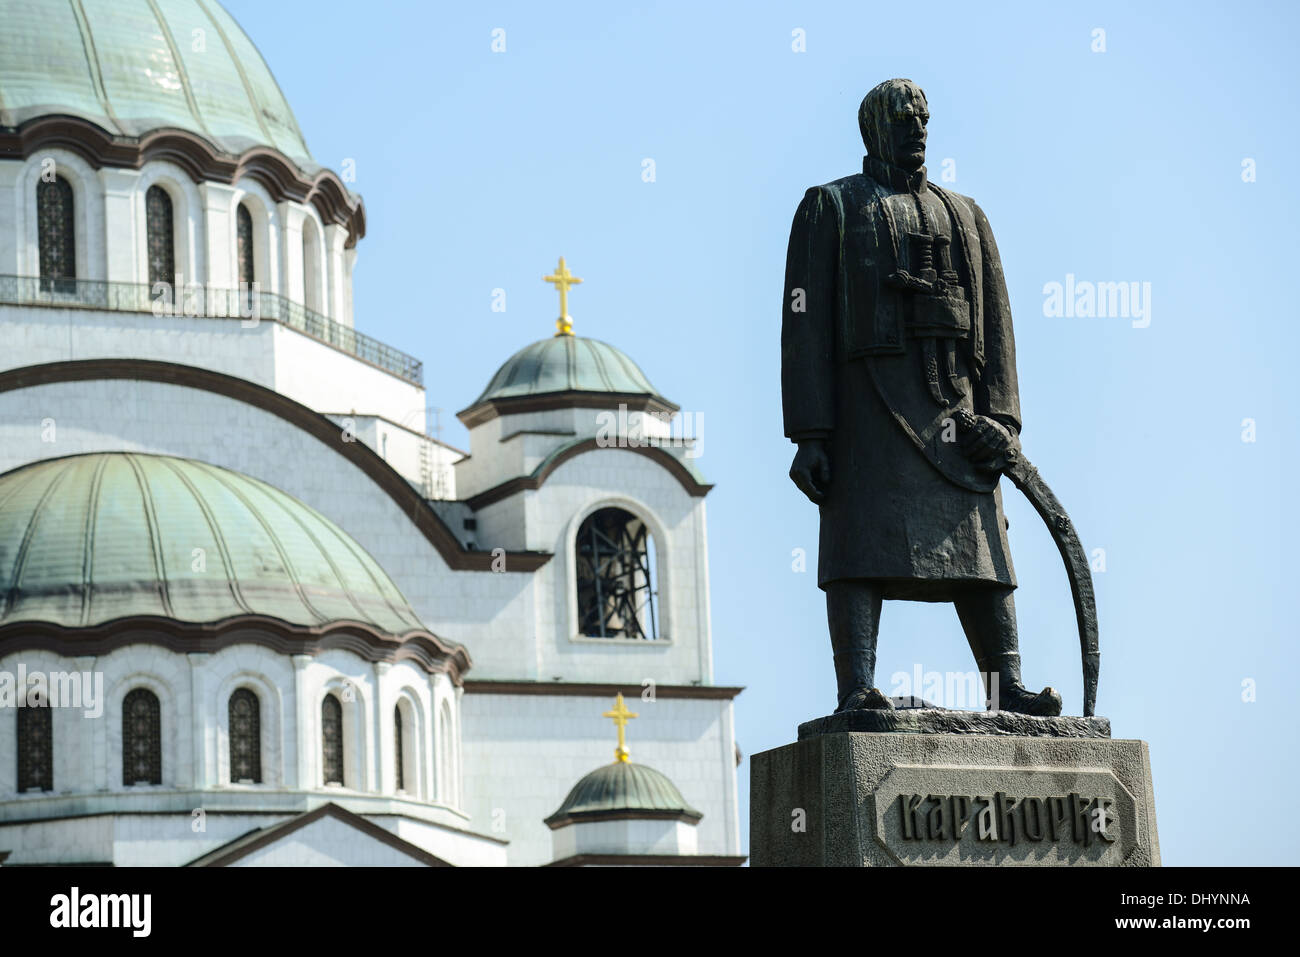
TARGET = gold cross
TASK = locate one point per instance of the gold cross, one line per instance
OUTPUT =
(563, 279)
(620, 714)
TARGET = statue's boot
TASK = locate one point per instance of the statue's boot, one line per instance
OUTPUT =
(865, 699)
(1007, 693)
(988, 616)
(853, 613)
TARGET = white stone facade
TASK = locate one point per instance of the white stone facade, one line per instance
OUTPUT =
(522, 752)
(624, 837)
(482, 767)
(193, 692)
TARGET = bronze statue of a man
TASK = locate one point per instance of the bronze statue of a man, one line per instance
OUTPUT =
(896, 327)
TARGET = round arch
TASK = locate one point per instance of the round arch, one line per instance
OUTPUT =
(187, 221)
(87, 211)
(270, 710)
(662, 546)
(168, 732)
(266, 234)
(355, 700)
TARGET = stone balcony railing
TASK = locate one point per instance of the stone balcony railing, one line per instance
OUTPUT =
(200, 302)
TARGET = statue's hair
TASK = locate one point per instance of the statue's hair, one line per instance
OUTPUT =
(873, 114)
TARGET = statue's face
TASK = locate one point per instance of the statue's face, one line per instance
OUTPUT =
(904, 133)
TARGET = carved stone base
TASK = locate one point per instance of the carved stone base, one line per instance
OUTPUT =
(861, 799)
(943, 721)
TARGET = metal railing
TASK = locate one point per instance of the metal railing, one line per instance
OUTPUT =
(203, 302)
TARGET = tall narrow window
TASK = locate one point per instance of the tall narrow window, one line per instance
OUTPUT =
(141, 739)
(160, 239)
(244, 252)
(245, 723)
(35, 749)
(399, 754)
(616, 578)
(447, 787)
(311, 270)
(56, 235)
(331, 735)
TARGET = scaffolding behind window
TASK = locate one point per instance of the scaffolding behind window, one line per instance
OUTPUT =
(617, 585)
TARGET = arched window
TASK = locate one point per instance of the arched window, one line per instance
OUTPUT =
(245, 725)
(35, 749)
(160, 238)
(616, 576)
(244, 248)
(141, 738)
(399, 753)
(56, 234)
(446, 762)
(331, 736)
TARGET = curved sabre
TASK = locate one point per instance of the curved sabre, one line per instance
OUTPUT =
(1026, 478)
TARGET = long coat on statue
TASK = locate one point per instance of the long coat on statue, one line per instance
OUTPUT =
(875, 360)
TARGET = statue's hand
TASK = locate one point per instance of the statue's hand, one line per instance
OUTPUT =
(988, 442)
(811, 470)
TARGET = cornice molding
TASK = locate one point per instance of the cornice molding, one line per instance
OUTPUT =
(489, 409)
(435, 655)
(622, 814)
(597, 690)
(281, 176)
(321, 427)
(528, 483)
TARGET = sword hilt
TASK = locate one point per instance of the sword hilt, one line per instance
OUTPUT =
(966, 421)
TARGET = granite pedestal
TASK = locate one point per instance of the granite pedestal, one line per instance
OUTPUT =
(869, 789)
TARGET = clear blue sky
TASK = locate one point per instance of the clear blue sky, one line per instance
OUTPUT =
(479, 169)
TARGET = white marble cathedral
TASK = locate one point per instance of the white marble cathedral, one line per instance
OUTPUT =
(251, 613)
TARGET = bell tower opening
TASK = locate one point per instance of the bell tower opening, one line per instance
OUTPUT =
(617, 584)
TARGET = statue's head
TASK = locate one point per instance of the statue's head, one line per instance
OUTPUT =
(892, 118)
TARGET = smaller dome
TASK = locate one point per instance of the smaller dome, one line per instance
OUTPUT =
(623, 790)
(567, 364)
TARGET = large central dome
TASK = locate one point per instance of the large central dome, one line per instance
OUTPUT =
(93, 538)
(132, 66)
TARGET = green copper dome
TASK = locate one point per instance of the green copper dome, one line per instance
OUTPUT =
(92, 538)
(565, 364)
(623, 789)
(132, 66)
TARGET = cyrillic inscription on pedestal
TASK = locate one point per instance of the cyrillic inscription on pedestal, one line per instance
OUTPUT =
(959, 815)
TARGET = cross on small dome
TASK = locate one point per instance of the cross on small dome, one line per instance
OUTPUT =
(563, 279)
(621, 716)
